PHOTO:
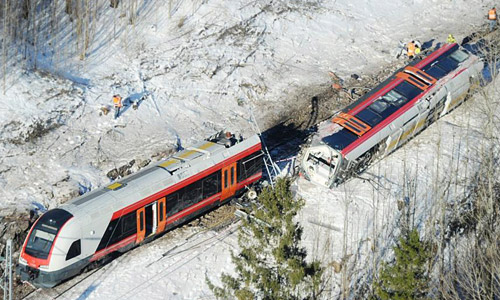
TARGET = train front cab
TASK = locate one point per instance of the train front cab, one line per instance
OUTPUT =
(51, 251)
(321, 164)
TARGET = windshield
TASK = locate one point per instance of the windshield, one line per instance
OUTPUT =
(43, 234)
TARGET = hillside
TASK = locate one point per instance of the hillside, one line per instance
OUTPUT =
(198, 67)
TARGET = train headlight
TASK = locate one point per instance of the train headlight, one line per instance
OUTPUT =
(22, 260)
(43, 267)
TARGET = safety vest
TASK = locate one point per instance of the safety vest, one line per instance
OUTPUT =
(117, 101)
(492, 14)
(451, 39)
(411, 49)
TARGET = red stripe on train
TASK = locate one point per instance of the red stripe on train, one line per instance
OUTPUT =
(403, 109)
(173, 218)
(113, 247)
(433, 55)
(397, 81)
(186, 182)
(210, 200)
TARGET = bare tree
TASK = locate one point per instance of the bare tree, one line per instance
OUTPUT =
(5, 42)
(474, 269)
(69, 7)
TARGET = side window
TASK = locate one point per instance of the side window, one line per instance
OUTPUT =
(119, 229)
(172, 204)
(191, 194)
(141, 221)
(239, 171)
(211, 185)
(232, 176)
(106, 239)
(225, 179)
(74, 250)
(161, 211)
(252, 164)
(129, 224)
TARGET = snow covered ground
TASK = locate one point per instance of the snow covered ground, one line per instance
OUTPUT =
(201, 65)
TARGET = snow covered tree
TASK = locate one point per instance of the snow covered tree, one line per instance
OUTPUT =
(271, 263)
(407, 277)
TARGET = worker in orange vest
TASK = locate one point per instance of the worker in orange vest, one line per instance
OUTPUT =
(410, 50)
(492, 17)
(117, 103)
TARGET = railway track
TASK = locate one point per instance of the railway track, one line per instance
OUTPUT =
(220, 221)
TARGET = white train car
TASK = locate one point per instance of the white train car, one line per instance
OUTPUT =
(390, 114)
(137, 208)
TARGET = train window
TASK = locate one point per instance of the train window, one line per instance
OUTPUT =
(43, 234)
(118, 230)
(141, 221)
(161, 211)
(369, 116)
(173, 205)
(252, 164)
(129, 224)
(225, 179)
(459, 56)
(74, 250)
(379, 105)
(447, 64)
(394, 98)
(407, 90)
(191, 194)
(232, 176)
(106, 238)
(211, 185)
(436, 72)
(239, 171)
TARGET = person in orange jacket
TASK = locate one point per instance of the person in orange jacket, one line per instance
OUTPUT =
(410, 49)
(492, 17)
(117, 103)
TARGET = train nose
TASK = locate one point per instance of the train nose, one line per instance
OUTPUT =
(28, 273)
(38, 278)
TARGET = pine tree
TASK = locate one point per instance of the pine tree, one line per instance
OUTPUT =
(271, 263)
(407, 277)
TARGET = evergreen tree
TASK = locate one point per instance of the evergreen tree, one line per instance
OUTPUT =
(407, 277)
(271, 263)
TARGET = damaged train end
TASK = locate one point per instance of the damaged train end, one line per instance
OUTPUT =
(389, 115)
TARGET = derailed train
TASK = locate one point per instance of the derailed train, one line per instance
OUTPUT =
(390, 114)
(137, 208)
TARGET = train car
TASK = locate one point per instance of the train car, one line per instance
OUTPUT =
(138, 208)
(390, 114)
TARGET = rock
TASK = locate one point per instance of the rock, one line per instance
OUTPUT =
(337, 266)
(143, 163)
(113, 174)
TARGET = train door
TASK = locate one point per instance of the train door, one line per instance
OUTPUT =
(150, 214)
(162, 218)
(141, 228)
(228, 181)
(146, 221)
(423, 108)
(393, 140)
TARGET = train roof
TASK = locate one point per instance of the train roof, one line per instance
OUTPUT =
(159, 176)
(367, 112)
